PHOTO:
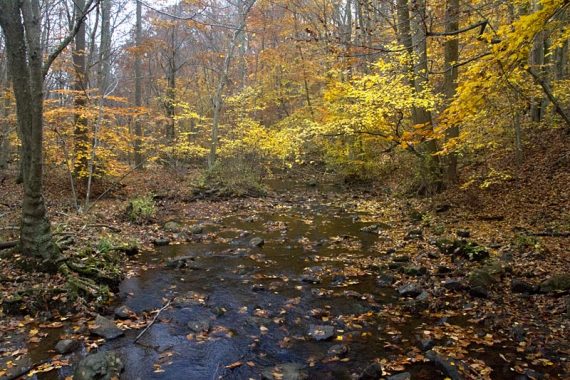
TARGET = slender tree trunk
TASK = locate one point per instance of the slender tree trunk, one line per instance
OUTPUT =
(103, 71)
(217, 100)
(138, 88)
(451, 54)
(6, 125)
(81, 132)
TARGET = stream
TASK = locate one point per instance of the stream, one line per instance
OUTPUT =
(305, 304)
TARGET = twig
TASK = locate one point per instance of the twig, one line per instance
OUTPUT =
(153, 321)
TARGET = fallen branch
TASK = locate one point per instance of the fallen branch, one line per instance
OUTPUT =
(8, 244)
(550, 233)
(153, 320)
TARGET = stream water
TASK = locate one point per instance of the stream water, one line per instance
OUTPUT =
(240, 312)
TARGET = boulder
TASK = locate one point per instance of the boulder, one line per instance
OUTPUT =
(99, 366)
(106, 328)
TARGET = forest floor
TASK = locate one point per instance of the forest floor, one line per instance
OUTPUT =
(497, 259)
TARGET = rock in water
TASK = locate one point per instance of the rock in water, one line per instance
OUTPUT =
(447, 366)
(67, 346)
(256, 242)
(338, 350)
(285, 371)
(372, 372)
(99, 366)
(321, 332)
(400, 376)
(106, 328)
(410, 290)
(123, 312)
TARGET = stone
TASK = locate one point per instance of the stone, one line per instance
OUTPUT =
(161, 242)
(415, 271)
(256, 242)
(372, 372)
(310, 278)
(385, 280)
(106, 328)
(463, 233)
(479, 291)
(409, 290)
(67, 346)
(413, 235)
(199, 326)
(423, 297)
(172, 226)
(453, 284)
(396, 265)
(99, 366)
(123, 312)
(285, 371)
(338, 280)
(338, 350)
(321, 332)
(196, 229)
(427, 344)
(371, 229)
(400, 376)
(558, 282)
(520, 286)
(180, 262)
(257, 287)
(482, 277)
(442, 269)
(518, 333)
(401, 259)
(448, 366)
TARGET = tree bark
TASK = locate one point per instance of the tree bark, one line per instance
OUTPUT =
(20, 22)
(451, 55)
(81, 131)
(138, 88)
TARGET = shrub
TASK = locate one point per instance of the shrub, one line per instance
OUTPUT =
(141, 209)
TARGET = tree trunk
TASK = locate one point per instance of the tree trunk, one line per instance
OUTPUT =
(6, 125)
(20, 22)
(451, 53)
(138, 88)
(81, 132)
(103, 72)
